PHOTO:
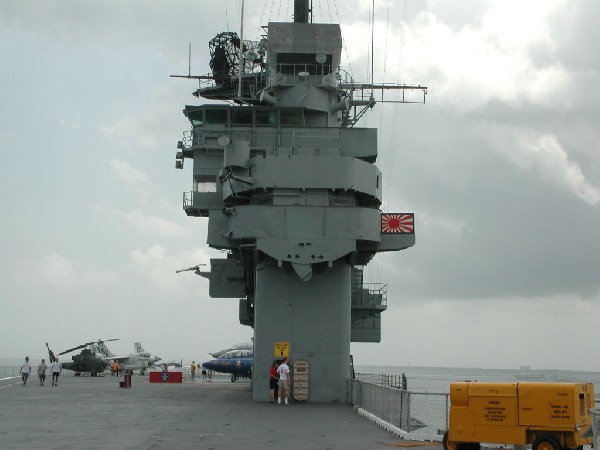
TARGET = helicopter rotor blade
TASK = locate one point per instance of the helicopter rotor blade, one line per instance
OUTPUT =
(106, 340)
(85, 345)
(99, 341)
(74, 348)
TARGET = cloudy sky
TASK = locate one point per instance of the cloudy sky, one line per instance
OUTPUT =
(501, 167)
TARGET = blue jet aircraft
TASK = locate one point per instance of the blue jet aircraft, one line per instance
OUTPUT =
(236, 362)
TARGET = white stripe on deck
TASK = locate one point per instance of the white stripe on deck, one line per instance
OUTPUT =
(8, 385)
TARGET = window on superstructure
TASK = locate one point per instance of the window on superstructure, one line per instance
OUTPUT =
(241, 116)
(294, 63)
(291, 118)
(215, 116)
(266, 117)
(196, 117)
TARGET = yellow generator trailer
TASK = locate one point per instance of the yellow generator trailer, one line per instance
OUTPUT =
(550, 416)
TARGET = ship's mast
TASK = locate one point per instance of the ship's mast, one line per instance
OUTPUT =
(241, 67)
(301, 10)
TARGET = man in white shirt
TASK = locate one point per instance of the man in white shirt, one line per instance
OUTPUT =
(56, 370)
(42, 372)
(284, 381)
(25, 370)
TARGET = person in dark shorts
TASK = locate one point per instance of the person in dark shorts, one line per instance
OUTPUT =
(25, 370)
(56, 370)
(274, 381)
(42, 372)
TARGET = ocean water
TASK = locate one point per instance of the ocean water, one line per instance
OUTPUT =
(438, 379)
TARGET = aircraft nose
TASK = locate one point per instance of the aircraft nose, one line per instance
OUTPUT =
(210, 365)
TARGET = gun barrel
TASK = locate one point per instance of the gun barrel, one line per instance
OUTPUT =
(196, 267)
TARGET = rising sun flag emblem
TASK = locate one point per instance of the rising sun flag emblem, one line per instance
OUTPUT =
(398, 223)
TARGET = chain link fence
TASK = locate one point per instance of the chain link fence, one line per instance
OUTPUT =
(595, 413)
(429, 412)
(423, 415)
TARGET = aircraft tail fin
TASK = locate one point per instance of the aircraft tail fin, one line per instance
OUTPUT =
(137, 347)
(103, 349)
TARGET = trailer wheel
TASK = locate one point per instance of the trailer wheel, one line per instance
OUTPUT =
(546, 442)
(451, 445)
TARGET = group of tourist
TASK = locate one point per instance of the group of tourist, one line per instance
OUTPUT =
(55, 368)
(279, 381)
(117, 367)
(206, 375)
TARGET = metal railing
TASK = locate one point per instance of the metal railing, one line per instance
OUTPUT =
(13, 371)
(383, 379)
(9, 371)
(424, 415)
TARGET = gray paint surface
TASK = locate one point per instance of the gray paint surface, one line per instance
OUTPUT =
(295, 204)
(94, 413)
(316, 326)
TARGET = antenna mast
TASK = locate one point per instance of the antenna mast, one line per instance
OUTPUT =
(241, 51)
(301, 10)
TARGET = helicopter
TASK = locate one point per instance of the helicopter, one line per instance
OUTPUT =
(86, 361)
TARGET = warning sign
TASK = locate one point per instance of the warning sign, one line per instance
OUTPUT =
(559, 411)
(282, 349)
(495, 414)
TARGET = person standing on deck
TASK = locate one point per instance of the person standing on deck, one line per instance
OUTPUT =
(274, 381)
(193, 369)
(42, 372)
(56, 370)
(25, 370)
(284, 381)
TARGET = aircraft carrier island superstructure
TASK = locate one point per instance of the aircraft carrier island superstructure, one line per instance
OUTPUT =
(293, 198)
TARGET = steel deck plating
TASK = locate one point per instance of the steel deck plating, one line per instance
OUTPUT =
(84, 412)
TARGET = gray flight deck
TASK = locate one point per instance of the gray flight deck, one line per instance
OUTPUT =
(84, 412)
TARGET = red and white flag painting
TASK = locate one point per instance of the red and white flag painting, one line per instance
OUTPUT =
(402, 223)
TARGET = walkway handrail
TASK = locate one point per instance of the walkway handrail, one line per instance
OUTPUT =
(423, 415)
